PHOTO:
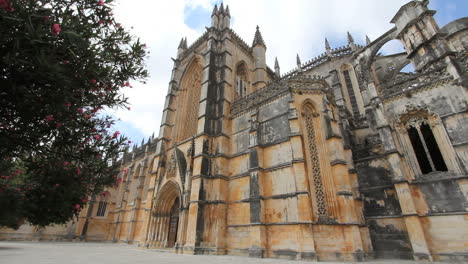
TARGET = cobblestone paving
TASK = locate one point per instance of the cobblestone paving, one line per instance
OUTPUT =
(103, 253)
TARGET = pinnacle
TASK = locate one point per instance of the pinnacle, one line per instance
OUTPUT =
(276, 63)
(221, 8)
(327, 45)
(181, 44)
(215, 10)
(227, 11)
(258, 39)
(298, 60)
(368, 41)
(350, 38)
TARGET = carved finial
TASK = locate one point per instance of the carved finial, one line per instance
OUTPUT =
(215, 11)
(368, 41)
(258, 39)
(221, 8)
(277, 68)
(299, 64)
(227, 11)
(350, 38)
(185, 43)
(181, 44)
(327, 45)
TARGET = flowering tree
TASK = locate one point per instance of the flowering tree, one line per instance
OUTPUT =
(61, 63)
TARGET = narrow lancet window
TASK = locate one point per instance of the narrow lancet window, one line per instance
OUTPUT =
(352, 96)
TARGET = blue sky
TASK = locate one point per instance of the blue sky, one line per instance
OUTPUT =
(288, 27)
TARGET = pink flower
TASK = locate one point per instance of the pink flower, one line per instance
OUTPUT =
(49, 118)
(78, 171)
(93, 81)
(57, 185)
(68, 104)
(80, 110)
(65, 163)
(105, 193)
(66, 62)
(127, 84)
(126, 170)
(100, 22)
(6, 5)
(101, 2)
(87, 116)
(85, 200)
(129, 108)
(56, 29)
(116, 134)
(18, 172)
(58, 124)
(77, 206)
(97, 137)
(129, 142)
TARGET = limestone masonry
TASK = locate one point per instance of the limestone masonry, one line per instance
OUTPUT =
(343, 158)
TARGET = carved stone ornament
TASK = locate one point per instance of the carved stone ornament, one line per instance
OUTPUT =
(171, 168)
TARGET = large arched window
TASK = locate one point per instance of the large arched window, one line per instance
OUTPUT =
(241, 81)
(188, 101)
(425, 147)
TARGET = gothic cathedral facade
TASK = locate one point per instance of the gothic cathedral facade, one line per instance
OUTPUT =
(343, 158)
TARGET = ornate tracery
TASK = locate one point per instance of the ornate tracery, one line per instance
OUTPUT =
(309, 115)
(188, 103)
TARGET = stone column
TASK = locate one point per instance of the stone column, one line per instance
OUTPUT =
(413, 223)
(257, 227)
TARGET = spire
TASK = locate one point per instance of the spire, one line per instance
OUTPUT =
(227, 11)
(299, 64)
(350, 38)
(215, 11)
(277, 68)
(327, 45)
(258, 39)
(368, 41)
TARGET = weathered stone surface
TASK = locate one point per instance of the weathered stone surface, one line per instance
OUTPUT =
(343, 158)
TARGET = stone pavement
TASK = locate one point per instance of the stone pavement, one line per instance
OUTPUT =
(103, 253)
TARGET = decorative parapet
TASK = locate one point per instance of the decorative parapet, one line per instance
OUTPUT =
(320, 59)
(407, 83)
(272, 90)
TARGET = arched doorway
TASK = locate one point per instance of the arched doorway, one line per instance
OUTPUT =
(164, 225)
(173, 224)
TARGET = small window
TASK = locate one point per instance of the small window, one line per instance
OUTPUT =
(101, 208)
(425, 147)
(241, 80)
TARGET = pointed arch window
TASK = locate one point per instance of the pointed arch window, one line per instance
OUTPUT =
(241, 81)
(425, 147)
(309, 113)
(188, 103)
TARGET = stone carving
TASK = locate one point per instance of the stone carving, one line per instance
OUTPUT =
(309, 115)
(171, 168)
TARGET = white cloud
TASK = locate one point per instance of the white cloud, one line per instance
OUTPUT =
(288, 27)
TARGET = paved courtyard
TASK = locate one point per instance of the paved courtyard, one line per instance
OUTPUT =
(102, 253)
